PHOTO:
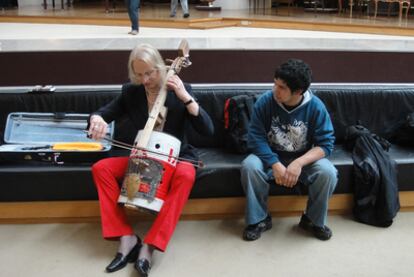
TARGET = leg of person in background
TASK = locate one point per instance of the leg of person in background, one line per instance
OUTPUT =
(173, 8)
(133, 13)
(184, 6)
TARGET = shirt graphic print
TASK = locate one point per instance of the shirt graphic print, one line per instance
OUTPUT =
(287, 137)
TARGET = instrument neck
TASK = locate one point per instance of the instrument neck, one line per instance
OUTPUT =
(151, 98)
(154, 113)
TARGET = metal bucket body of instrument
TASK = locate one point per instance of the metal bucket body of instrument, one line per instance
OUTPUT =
(148, 175)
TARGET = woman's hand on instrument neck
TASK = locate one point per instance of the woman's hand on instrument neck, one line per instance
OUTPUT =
(97, 127)
(174, 83)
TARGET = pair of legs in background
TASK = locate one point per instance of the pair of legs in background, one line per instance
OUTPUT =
(184, 6)
(133, 14)
(320, 177)
(108, 174)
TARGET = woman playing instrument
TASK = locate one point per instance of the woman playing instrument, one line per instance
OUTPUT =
(147, 73)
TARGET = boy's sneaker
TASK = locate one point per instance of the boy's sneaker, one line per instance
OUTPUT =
(254, 231)
(322, 233)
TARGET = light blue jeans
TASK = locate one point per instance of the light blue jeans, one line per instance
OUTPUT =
(133, 13)
(320, 177)
(184, 6)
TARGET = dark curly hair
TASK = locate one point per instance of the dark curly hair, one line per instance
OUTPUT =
(296, 74)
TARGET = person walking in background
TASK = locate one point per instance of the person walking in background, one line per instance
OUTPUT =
(184, 6)
(290, 135)
(133, 14)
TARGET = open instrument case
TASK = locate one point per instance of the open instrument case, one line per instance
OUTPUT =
(51, 137)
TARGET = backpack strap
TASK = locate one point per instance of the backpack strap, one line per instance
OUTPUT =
(226, 113)
(249, 101)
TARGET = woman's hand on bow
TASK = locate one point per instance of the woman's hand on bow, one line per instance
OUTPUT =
(97, 127)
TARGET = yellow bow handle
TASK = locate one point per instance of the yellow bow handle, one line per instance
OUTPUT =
(77, 146)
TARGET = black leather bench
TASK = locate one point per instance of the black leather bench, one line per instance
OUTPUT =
(380, 107)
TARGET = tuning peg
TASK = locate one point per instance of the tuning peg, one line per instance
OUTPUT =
(169, 61)
(187, 62)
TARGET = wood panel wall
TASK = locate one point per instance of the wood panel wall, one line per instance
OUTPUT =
(219, 66)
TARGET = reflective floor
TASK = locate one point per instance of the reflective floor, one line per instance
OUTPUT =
(279, 28)
(160, 12)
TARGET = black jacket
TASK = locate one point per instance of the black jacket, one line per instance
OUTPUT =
(376, 200)
(132, 103)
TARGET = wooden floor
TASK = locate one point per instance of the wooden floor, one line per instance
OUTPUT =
(157, 15)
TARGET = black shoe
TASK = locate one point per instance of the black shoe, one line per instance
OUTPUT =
(254, 231)
(143, 267)
(120, 261)
(322, 233)
(186, 15)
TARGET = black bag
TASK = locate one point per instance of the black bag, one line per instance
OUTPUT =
(352, 133)
(405, 134)
(237, 112)
(376, 199)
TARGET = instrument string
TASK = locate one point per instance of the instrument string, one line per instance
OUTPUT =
(127, 146)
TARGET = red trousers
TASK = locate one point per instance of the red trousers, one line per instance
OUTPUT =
(108, 174)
